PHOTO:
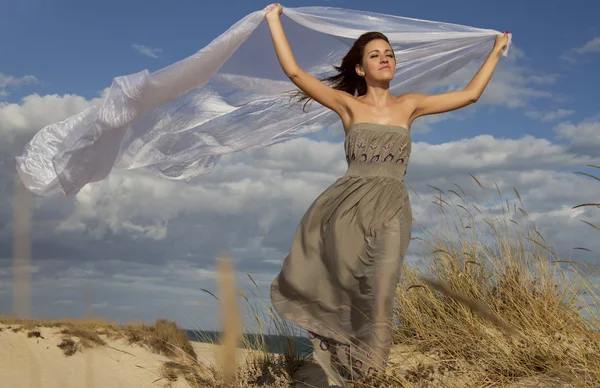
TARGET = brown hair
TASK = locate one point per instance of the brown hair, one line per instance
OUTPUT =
(346, 78)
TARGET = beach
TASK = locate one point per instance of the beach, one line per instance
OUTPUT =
(36, 354)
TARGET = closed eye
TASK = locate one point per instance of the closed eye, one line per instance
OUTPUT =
(389, 55)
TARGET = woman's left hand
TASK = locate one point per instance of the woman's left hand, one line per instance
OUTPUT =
(501, 42)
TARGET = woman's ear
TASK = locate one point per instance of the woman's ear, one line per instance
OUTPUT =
(359, 70)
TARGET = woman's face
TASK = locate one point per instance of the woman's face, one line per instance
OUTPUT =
(379, 63)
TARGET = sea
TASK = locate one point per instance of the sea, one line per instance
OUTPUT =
(279, 344)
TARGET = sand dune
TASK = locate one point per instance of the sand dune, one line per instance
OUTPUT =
(46, 357)
(37, 358)
(39, 362)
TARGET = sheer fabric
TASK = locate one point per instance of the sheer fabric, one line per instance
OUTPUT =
(232, 95)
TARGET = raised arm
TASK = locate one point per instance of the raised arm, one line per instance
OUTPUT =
(425, 104)
(333, 99)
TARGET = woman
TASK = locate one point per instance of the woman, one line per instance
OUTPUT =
(338, 280)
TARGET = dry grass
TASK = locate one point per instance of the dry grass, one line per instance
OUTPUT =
(508, 267)
(164, 337)
(260, 368)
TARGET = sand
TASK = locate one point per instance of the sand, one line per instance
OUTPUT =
(37, 362)
(28, 361)
(40, 363)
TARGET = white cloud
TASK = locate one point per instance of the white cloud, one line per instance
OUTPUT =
(513, 88)
(590, 47)
(9, 82)
(264, 185)
(568, 57)
(548, 116)
(65, 301)
(593, 46)
(512, 85)
(34, 112)
(583, 137)
(147, 51)
(488, 153)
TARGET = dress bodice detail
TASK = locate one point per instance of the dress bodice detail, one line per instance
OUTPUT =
(377, 150)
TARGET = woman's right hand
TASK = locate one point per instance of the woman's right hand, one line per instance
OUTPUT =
(273, 10)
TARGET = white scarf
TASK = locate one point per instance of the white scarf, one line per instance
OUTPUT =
(232, 95)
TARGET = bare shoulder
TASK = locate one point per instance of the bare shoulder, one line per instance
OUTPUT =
(355, 104)
(407, 103)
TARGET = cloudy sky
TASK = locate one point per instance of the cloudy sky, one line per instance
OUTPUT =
(143, 248)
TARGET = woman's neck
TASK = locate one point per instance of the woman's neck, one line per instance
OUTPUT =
(378, 95)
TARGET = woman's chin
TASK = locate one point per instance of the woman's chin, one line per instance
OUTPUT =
(381, 77)
(384, 78)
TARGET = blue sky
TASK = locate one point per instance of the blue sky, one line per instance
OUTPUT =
(145, 246)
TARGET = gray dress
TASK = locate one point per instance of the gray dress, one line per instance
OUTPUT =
(338, 281)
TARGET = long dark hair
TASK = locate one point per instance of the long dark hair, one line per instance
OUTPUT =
(346, 78)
